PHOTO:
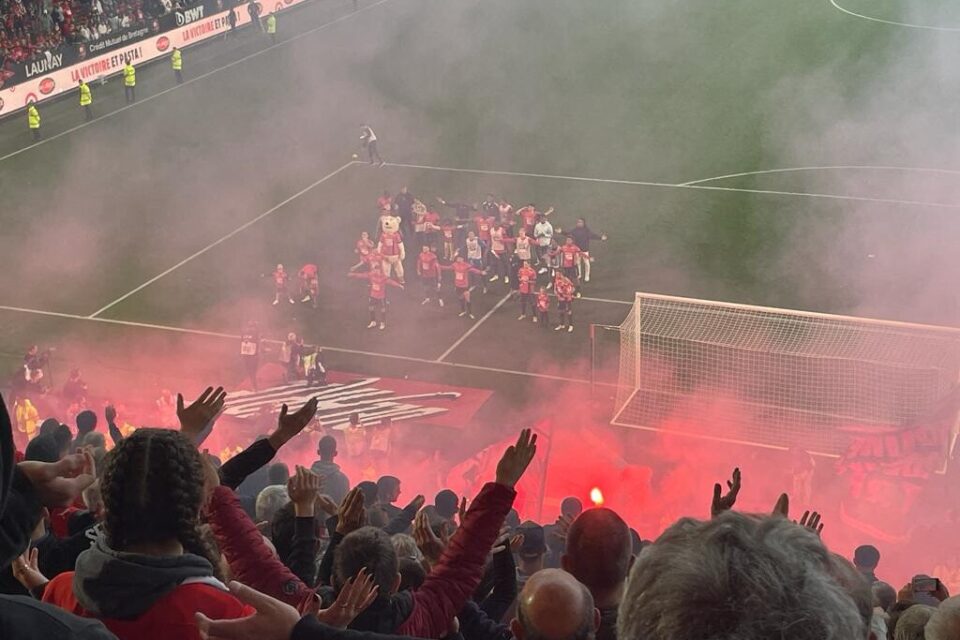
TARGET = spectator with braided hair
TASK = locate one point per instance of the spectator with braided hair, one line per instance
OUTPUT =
(150, 570)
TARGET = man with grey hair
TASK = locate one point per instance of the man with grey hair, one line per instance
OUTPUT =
(740, 576)
(554, 606)
(944, 624)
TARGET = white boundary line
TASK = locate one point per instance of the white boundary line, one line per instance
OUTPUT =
(836, 5)
(213, 244)
(474, 327)
(950, 172)
(195, 79)
(669, 185)
(215, 334)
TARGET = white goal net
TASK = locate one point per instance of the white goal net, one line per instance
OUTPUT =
(776, 377)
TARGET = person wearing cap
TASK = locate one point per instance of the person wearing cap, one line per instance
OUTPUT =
(532, 551)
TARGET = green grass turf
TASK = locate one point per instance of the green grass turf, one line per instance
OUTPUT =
(659, 92)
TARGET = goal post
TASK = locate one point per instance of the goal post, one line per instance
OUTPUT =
(776, 377)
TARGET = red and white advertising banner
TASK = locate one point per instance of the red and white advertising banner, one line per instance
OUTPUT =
(98, 67)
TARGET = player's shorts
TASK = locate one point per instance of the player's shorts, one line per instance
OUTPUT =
(429, 282)
(563, 306)
(462, 292)
(571, 273)
(377, 303)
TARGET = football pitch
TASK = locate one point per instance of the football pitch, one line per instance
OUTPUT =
(785, 154)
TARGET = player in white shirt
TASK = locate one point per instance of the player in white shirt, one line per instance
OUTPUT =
(369, 141)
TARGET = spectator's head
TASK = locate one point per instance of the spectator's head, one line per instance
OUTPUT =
(354, 419)
(406, 547)
(599, 554)
(278, 473)
(945, 623)
(866, 558)
(370, 492)
(371, 548)
(581, 222)
(153, 489)
(571, 507)
(64, 438)
(554, 606)
(42, 449)
(533, 549)
(48, 427)
(270, 500)
(412, 574)
(911, 624)
(747, 575)
(94, 439)
(388, 489)
(446, 503)
(327, 448)
(86, 422)
(884, 595)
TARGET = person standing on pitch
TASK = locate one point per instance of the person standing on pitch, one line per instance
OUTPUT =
(369, 140)
(33, 120)
(129, 81)
(86, 99)
(272, 27)
(232, 21)
(176, 61)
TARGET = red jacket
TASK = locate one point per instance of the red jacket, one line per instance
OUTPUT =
(251, 561)
(170, 617)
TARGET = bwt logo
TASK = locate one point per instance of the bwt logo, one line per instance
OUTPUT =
(189, 15)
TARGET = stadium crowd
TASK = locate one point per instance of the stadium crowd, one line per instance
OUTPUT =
(156, 538)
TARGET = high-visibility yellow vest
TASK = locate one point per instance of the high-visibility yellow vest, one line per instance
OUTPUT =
(86, 97)
(33, 117)
(271, 23)
(129, 75)
(176, 59)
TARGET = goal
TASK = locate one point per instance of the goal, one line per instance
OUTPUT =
(776, 377)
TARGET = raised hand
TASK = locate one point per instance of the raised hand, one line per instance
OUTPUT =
(274, 620)
(462, 511)
(200, 415)
(354, 597)
(303, 487)
(60, 483)
(327, 505)
(811, 520)
(430, 544)
(351, 515)
(516, 459)
(562, 527)
(290, 425)
(782, 508)
(416, 504)
(723, 503)
(26, 570)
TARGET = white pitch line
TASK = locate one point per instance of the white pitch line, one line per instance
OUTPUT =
(842, 167)
(670, 185)
(213, 244)
(194, 79)
(476, 325)
(893, 22)
(215, 334)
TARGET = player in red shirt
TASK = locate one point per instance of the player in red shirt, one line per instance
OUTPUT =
(377, 296)
(528, 217)
(484, 224)
(309, 283)
(461, 282)
(499, 255)
(364, 244)
(385, 202)
(448, 232)
(543, 308)
(526, 281)
(394, 253)
(564, 289)
(280, 280)
(428, 268)
(569, 260)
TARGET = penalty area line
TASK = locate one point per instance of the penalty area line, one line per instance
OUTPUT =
(228, 336)
(221, 240)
